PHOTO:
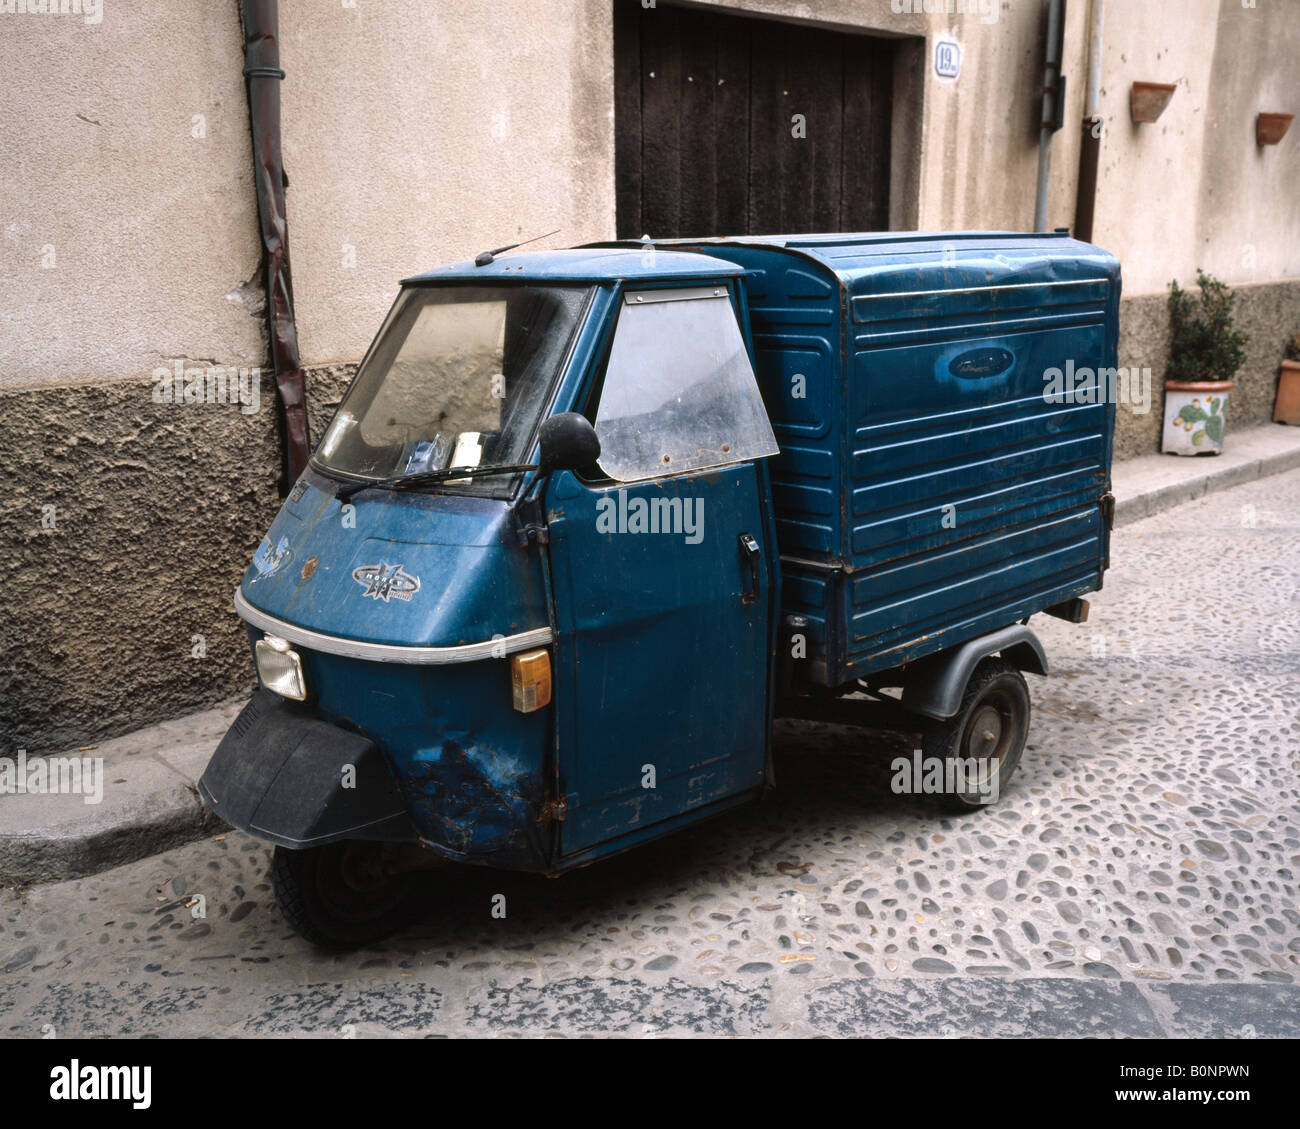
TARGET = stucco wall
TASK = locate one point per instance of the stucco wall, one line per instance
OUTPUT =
(1194, 189)
(122, 231)
(1144, 343)
(417, 132)
(414, 132)
(125, 526)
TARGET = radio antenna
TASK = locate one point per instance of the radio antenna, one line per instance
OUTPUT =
(488, 256)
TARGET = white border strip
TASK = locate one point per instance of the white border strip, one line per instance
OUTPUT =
(991, 289)
(387, 652)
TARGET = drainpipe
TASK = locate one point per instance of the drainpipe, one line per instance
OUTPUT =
(1090, 151)
(263, 75)
(1053, 105)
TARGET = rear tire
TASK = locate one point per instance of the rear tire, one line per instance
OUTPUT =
(340, 896)
(987, 733)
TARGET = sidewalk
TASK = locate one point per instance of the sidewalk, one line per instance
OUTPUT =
(149, 801)
(149, 804)
(1151, 483)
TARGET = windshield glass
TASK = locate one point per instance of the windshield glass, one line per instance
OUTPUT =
(458, 377)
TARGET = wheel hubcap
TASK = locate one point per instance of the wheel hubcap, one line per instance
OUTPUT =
(985, 732)
(353, 885)
(990, 732)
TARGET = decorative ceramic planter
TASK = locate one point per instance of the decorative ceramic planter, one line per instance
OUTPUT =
(1287, 408)
(1147, 100)
(1195, 417)
(1271, 128)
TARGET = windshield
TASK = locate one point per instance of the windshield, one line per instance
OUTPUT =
(458, 377)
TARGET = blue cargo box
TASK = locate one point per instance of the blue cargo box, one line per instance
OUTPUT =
(933, 484)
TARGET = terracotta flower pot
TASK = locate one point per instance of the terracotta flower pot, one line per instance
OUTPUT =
(1271, 128)
(1287, 407)
(1195, 416)
(1147, 100)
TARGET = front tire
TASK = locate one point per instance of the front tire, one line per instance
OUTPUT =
(343, 895)
(987, 736)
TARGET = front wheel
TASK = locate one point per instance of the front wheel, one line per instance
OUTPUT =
(980, 746)
(344, 895)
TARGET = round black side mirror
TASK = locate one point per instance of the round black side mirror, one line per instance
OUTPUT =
(568, 442)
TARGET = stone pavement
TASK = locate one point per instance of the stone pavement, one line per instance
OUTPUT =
(1141, 876)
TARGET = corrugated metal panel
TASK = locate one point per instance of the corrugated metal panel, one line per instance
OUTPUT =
(927, 491)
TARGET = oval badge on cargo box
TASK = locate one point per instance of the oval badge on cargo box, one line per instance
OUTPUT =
(979, 364)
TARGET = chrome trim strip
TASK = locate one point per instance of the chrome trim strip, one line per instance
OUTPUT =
(673, 294)
(387, 652)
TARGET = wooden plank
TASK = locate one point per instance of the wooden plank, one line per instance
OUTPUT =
(868, 107)
(731, 123)
(794, 62)
(628, 128)
(696, 124)
(824, 148)
(661, 79)
(769, 126)
(704, 104)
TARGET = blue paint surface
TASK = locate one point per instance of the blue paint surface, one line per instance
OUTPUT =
(919, 507)
(926, 493)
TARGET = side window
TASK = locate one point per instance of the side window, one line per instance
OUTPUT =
(679, 393)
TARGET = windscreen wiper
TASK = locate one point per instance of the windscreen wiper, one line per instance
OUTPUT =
(428, 477)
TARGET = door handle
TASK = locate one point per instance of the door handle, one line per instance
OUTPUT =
(751, 554)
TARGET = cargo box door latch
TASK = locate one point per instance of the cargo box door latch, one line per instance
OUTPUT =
(751, 555)
(1108, 509)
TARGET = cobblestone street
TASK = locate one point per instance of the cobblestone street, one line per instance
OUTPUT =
(1139, 877)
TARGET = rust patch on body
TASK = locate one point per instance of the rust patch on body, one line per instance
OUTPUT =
(309, 567)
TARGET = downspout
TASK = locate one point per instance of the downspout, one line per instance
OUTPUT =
(1053, 106)
(1090, 151)
(262, 75)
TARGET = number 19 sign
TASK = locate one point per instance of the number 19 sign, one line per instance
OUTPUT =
(947, 59)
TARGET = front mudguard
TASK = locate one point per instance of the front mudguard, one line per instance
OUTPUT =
(294, 780)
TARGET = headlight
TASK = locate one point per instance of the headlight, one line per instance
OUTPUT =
(280, 668)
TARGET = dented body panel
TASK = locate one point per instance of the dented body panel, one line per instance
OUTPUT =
(473, 771)
(928, 491)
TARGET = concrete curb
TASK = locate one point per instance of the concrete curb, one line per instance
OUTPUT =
(1153, 483)
(149, 800)
(147, 804)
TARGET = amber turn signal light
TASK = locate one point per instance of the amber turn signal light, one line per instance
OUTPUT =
(530, 680)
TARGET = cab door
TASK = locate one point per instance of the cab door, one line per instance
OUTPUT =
(660, 563)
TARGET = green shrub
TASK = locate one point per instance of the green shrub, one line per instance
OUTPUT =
(1203, 344)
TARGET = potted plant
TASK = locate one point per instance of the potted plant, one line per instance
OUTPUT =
(1205, 353)
(1287, 407)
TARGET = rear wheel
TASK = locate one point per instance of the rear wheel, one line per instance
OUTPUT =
(344, 895)
(981, 746)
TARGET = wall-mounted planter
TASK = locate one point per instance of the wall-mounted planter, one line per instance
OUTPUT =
(1287, 407)
(1195, 416)
(1147, 100)
(1271, 128)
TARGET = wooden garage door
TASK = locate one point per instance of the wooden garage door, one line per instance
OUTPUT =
(705, 109)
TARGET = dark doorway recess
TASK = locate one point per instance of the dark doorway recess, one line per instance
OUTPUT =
(704, 125)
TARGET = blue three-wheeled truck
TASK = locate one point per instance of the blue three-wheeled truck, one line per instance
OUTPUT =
(586, 521)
